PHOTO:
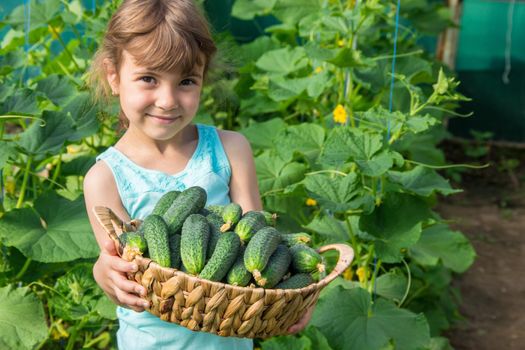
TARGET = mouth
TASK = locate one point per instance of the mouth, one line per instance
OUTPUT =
(163, 119)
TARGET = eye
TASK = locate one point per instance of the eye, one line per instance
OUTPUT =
(188, 82)
(148, 79)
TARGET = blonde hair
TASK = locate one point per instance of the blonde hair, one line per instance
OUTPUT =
(162, 35)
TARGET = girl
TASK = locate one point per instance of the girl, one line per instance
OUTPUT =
(154, 57)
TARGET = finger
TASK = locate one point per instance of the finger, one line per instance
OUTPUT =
(128, 286)
(121, 265)
(131, 300)
(109, 247)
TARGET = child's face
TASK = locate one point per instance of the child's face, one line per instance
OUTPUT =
(159, 104)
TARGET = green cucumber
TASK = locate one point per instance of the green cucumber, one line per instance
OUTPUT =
(216, 209)
(133, 240)
(271, 218)
(292, 239)
(238, 275)
(165, 202)
(222, 258)
(250, 223)
(260, 248)
(194, 243)
(174, 242)
(231, 215)
(306, 259)
(189, 201)
(156, 235)
(215, 222)
(300, 280)
(276, 268)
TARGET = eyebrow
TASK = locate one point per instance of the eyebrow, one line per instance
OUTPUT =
(156, 72)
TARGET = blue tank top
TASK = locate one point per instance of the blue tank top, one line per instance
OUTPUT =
(140, 189)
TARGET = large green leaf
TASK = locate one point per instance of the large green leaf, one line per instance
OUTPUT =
(439, 242)
(23, 102)
(40, 140)
(396, 224)
(22, 318)
(56, 230)
(306, 139)
(288, 342)
(317, 338)
(289, 11)
(7, 150)
(283, 61)
(248, 9)
(41, 14)
(83, 113)
(391, 285)
(274, 173)
(57, 88)
(329, 228)
(282, 89)
(262, 135)
(377, 165)
(350, 321)
(333, 192)
(345, 143)
(422, 181)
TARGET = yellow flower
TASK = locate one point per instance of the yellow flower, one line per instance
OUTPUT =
(311, 202)
(55, 31)
(348, 274)
(340, 114)
(318, 69)
(72, 149)
(58, 331)
(362, 274)
(341, 43)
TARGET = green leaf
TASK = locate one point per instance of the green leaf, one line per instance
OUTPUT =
(317, 84)
(282, 89)
(78, 166)
(288, 342)
(288, 11)
(317, 339)
(438, 242)
(83, 112)
(346, 58)
(248, 9)
(41, 14)
(391, 285)
(40, 140)
(106, 308)
(333, 192)
(306, 139)
(329, 228)
(262, 135)
(283, 61)
(57, 88)
(7, 150)
(56, 230)
(396, 224)
(422, 181)
(22, 318)
(23, 102)
(350, 321)
(377, 165)
(345, 143)
(274, 173)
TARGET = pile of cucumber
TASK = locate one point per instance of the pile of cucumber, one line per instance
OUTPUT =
(220, 243)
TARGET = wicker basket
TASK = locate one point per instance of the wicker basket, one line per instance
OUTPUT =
(215, 307)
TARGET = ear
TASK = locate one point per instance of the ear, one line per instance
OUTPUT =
(111, 75)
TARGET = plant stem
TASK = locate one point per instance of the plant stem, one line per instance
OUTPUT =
(24, 182)
(409, 283)
(64, 46)
(23, 270)
(352, 236)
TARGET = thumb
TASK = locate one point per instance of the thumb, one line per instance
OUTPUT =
(109, 247)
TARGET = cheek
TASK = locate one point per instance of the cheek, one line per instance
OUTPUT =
(135, 100)
(190, 100)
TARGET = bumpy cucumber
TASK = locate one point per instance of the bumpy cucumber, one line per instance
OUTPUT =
(292, 239)
(222, 258)
(238, 275)
(231, 215)
(260, 248)
(276, 268)
(250, 223)
(156, 235)
(133, 240)
(194, 243)
(216, 209)
(174, 241)
(165, 202)
(306, 259)
(296, 281)
(271, 219)
(215, 222)
(189, 201)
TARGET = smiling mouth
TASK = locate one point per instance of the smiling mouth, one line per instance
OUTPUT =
(162, 117)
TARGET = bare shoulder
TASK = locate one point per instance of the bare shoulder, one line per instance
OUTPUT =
(235, 144)
(101, 189)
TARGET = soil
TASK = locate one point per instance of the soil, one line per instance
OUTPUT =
(491, 212)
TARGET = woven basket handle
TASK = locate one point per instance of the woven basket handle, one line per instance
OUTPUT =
(346, 255)
(113, 225)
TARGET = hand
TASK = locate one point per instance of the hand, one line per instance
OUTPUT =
(110, 273)
(301, 324)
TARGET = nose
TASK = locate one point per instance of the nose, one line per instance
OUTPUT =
(166, 98)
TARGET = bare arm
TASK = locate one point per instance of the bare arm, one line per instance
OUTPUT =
(109, 270)
(244, 189)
